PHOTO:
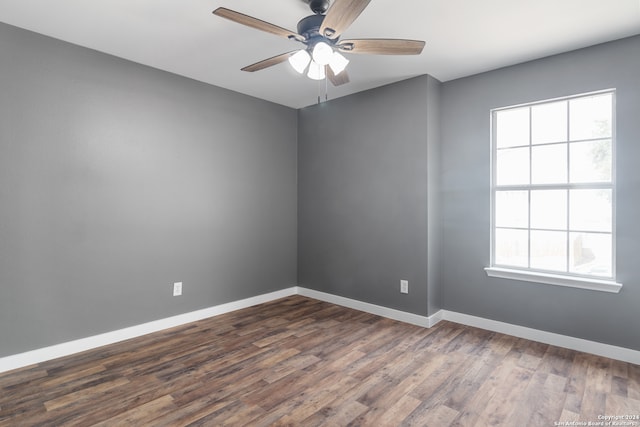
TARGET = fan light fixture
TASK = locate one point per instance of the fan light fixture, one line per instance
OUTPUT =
(338, 63)
(316, 71)
(300, 60)
(321, 55)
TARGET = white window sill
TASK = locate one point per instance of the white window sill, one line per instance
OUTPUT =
(553, 279)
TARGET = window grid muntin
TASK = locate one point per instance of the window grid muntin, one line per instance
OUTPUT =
(610, 185)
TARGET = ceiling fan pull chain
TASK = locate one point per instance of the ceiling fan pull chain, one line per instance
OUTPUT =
(326, 88)
(320, 90)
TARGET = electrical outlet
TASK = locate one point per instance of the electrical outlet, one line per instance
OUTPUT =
(404, 286)
(177, 289)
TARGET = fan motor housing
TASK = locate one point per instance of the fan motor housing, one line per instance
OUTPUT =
(309, 28)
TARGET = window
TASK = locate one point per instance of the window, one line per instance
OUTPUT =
(553, 192)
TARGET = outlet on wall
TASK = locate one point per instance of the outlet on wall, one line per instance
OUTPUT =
(177, 289)
(404, 286)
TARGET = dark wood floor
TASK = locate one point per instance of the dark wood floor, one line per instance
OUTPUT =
(303, 362)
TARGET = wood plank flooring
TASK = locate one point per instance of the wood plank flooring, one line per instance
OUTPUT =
(302, 362)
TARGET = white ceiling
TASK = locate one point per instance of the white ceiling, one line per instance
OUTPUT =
(464, 37)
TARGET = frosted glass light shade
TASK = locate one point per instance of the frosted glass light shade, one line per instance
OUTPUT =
(316, 71)
(322, 53)
(338, 63)
(300, 60)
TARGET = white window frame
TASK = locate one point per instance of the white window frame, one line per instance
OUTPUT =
(568, 279)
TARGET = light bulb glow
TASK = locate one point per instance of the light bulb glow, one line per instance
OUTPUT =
(300, 60)
(322, 53)
(316, 71)
(338, 63)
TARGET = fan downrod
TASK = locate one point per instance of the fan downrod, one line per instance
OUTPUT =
(319, 7)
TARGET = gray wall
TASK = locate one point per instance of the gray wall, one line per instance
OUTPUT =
(597, 316)
(117, 180)
(364, 195)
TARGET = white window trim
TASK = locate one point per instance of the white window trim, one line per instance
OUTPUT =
(554, 279)
(566, 280)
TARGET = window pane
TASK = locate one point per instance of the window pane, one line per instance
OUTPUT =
(549, 164)
(549, 250)
(512, 209)
(590, 210)
(591, 254)
(590, 117)
(511, 247)
(549, 123)
(590, 161)
(549, 209)
(513, 166)
(512, 128)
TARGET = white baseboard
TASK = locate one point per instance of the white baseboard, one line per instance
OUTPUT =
(572, 343)
(402, 316)
(60, 350)
(65, 349)
(578, 344)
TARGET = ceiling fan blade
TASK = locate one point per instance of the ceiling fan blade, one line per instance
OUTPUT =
(266, 63)
(256, 23)
(382, 46)
(338, 80)
(269, 62)
(340, 16)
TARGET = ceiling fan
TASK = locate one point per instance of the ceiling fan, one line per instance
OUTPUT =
(320, 33)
